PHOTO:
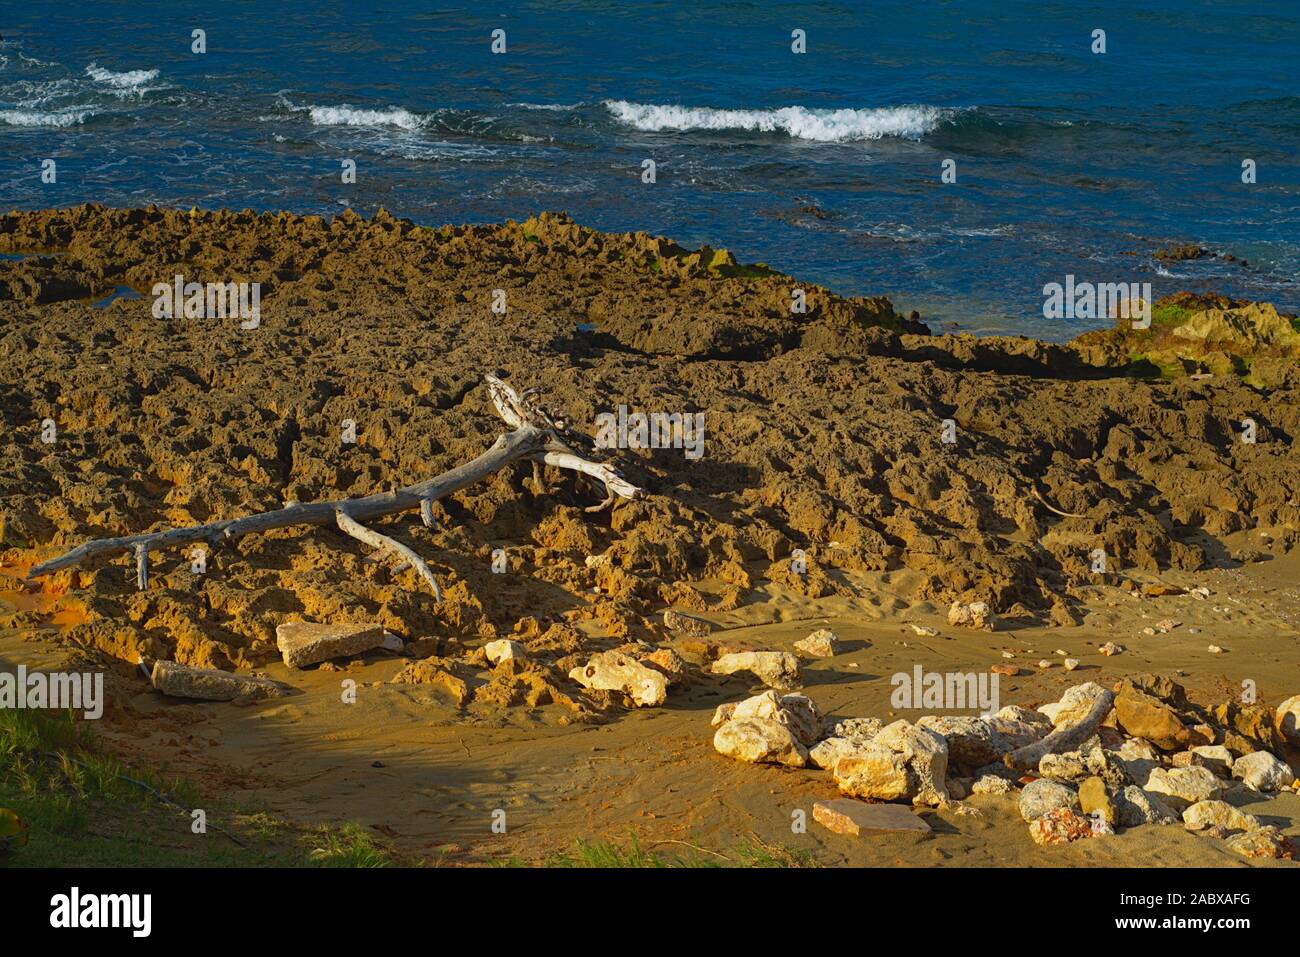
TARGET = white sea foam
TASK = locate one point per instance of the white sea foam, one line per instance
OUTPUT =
(823, 126)
(132, 81)
(352, 116)
(547, 107)
(71, 116)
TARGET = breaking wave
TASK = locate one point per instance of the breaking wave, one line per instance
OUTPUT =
(352, 116)
(72, 116)
(798, 122)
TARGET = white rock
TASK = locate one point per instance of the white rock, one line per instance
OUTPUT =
(1288, 719)
(504, 650)
(1074, 704)
(826, 754)
(614, 671)
(1204, 814)
(1041, 796)
(822, 643)
(796, 711)
(1180, 787)
(975, 615)
(1215, 757)
(776, 669)
(926, 753)
(1263, 772)
(759, 741)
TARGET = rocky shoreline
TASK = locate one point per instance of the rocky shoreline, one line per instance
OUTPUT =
(853, 460)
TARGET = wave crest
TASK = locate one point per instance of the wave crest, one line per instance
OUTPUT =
(353, 116)
(72, 116)
(798, 122)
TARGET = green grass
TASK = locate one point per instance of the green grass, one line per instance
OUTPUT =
(630, 854)
(347, 846)
(81, 806)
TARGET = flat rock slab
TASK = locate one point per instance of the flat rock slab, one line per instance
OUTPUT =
(182, 681)
(304, 643)
(857, 818)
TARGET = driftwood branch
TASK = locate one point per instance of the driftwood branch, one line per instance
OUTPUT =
(1064, 739)
(536, 435)
(362, 534)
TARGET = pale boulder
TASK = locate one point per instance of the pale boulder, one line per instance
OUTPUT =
(614, 671)
(759, 741)
(1179, 787)
(822, 643)
(776, 669)
(1205, 814)
(1263, 772)
(504, 650)
(1288, 720)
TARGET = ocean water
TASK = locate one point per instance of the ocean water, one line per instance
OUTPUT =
(824, 164)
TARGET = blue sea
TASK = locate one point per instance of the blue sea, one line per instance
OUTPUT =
(824, 164)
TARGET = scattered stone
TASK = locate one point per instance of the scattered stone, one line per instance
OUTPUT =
(1214, 650)
(856, 818)
(927, 759)
(1248, 728)
(1213, 756)
(614, 671)
(1070, 664)
(991, 784)
(1138, 758)
(1041, 796)
(1287, 719)
(776, 669)
(304, 643)
(1134, 807)
(874, 772)
(504, 650)
(1145, 716)
(204, 684)
(1062, 767)
(827, 753)
(1110, 649)
(1263, 772)
(1179, 787)
(668, 663)
(925, 631)
(859, 730)
(1166, 625)
(1161, 590)
(975, 615)
(970, 740)
(822, 643)
(1205, 814)
(760, 741)
(1045, 663)
(1060, 826)
(1095, 801)
(1074, 705)
(1009, 671)
(1263, 842)
(686, 624)
(796, 711)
